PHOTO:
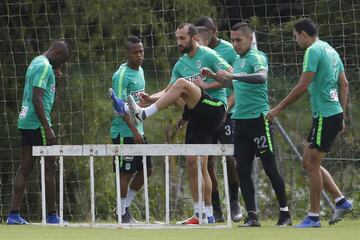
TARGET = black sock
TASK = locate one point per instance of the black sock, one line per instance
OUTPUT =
(252, 215)
(52, 213)
(234, 191)
(215, 198)
(314, 218)
(340, 202)
(284, 213)
(14, 212)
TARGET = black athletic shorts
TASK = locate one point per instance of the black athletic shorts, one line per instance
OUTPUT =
(253, 137)
(130, 164)
(323, 132)
(33, 137)
(203, 120)
(225, 133)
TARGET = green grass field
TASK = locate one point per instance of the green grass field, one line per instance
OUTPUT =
(343, 230)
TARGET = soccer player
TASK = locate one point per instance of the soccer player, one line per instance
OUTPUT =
(323, 75)
(253, 135)
(34, 124)
(129, 80)
(205, 109)
(224, 134)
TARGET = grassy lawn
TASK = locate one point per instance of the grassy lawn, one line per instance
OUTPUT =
(343, 230)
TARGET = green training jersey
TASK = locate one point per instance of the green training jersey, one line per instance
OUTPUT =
(126, 81)
(39, 74)
(227, 52)
(325, 62)
(251, 100)
(189, 68)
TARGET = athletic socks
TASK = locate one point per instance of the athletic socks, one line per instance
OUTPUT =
(148, 111)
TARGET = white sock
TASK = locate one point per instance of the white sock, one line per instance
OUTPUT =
(209, 211)
(284, 209)
(150, 110)
(130, 196)
(339, 198)
(196, 207)
(123, 201)
(312, 214)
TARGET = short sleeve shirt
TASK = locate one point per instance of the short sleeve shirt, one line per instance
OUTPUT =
(39, 74)
(189, 68)
(325, 62)
(126, 81)
(251, 100)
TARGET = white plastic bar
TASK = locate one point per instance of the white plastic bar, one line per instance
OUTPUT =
(118, 190)
(199, 182)
(61, 190)
(43, 191)
(146, 190)
(139, 149)
(226, 187)
(92, 190)
(167, 190)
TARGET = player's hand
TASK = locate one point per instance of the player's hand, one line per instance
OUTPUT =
(180, 124)
(58, 74)
(50, 136)
(272, 114)
(200, 83)
(144, 99)
(138, 138)
(207, 72)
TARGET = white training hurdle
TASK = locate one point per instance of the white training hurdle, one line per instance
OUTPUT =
(144, 150)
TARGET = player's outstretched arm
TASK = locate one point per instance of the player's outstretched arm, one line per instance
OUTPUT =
(294, 95)
(252, 78)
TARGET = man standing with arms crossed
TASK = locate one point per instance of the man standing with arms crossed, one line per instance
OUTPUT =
(34, 124)
(225, 133)
(205, 109)
(323, 75)
(129, 80)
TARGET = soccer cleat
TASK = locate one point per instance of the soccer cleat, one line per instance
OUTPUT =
(54, 219)
(15, 219)
(309, 223)
(235, 210)
(211, 219)
(128, 218)
(250, 222)
(340, 211)
(137, 113)
(218, 215)
(119, 105)
(194, 220)
(284, 219)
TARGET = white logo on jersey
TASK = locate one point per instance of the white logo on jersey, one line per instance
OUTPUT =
(24, 111)
(198, 63)
(195, 77)
(136, 94)
(242, 62)
(52, 88)
(334, 95)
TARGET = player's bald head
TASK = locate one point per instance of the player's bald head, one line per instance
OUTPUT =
(60, 46)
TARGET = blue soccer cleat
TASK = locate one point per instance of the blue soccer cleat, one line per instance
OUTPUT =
(309, 223)
(211, 219)
(117, 103)
(54, 219)
(15, 219)
(340, 211)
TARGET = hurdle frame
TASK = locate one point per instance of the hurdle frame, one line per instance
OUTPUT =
(103, 150)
